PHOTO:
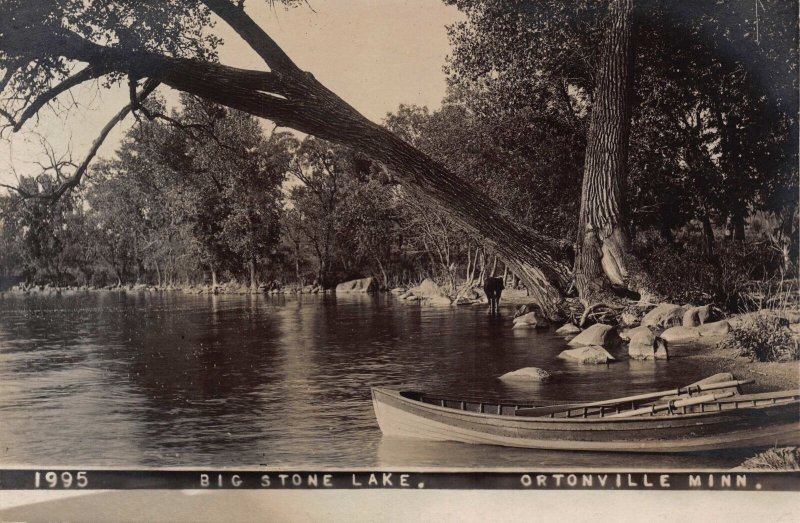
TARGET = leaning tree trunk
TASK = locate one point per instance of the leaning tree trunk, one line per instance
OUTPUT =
(293, 98)
(602, 256)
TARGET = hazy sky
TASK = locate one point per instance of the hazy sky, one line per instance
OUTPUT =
(375, 54)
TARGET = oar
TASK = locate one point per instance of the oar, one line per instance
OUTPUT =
(672, 404)
(544, 411)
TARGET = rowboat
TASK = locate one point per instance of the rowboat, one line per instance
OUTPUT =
(687, 419)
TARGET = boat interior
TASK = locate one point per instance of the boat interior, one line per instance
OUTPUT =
(669, 405)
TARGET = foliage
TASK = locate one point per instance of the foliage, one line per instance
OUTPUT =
(177, 28)
(44, 233)
(780, 458)
(715, 104)
(713, 127)
(766, 338)
(684, 272)
(176, 200)
(238, 172)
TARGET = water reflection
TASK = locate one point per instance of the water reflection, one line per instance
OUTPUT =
(171, 379)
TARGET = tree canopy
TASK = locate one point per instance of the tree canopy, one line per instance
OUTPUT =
(713, 114)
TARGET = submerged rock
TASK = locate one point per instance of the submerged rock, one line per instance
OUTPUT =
(664, 316)
(597, 334)
(438, 301)
(587, 355)
(532, 320)
(526, 374)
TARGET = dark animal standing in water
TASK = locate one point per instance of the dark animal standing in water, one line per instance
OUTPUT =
(493, 287)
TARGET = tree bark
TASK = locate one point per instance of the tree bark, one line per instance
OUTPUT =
(602, 256)
(708, 234)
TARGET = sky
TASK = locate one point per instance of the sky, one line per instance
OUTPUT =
(375, 54)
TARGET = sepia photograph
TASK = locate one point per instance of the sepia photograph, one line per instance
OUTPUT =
(252, 250)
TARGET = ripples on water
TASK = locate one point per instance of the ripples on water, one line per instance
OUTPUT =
(169, 379)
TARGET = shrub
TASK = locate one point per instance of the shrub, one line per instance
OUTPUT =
(764, 339)
(785, 458)
(684, 273)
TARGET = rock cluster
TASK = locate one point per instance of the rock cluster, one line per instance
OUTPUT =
(428, 292)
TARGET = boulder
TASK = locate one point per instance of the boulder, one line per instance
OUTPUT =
(633, 314)
(531, 320)
(710, 331)
(587, 355)
(625, 333)
(716, 329)
(696, 316)
(645, 345)
(428, 289)
(398, 290)
(664, 316)
(568, 329)
(522, 310)
(598, 334)
(680, 334)
(361, 286)
(526, 374)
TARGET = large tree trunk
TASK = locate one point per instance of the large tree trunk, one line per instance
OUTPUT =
(294, 98)
(602, 252)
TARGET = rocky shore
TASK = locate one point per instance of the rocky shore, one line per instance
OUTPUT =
(664, 331)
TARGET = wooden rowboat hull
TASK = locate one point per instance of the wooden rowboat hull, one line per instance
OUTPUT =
(399, 414)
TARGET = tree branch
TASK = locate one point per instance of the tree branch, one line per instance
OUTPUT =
(269, 51)
(9, 74)
(81, 169)
(89, 73)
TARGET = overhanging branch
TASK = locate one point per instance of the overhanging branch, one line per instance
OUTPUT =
(269, 51)
(81, 169)
(89, 73)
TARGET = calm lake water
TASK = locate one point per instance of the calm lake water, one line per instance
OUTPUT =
(127, 379)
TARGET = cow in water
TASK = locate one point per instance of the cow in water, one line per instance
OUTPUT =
(493, 287)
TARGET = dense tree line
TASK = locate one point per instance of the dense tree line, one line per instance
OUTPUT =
(206, 195)
(570, 128)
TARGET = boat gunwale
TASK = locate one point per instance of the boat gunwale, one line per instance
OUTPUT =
(577, 420)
